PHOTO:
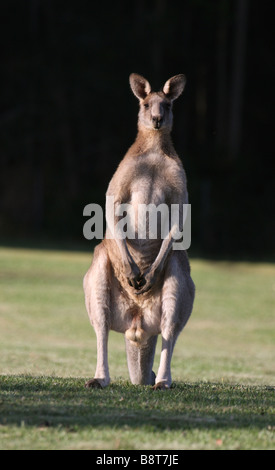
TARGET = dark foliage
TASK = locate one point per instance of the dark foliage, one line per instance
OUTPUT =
(68, 115)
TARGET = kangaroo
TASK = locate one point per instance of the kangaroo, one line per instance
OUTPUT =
(142, 287)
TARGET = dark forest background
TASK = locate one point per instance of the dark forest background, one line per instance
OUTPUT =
(68, 116)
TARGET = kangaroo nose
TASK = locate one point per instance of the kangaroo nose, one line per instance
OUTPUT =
(157, 117)
(157, 120)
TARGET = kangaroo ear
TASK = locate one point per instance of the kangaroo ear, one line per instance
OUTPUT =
(140, 86)
(174, 87)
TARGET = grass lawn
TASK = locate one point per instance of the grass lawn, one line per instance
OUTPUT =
(223, 365)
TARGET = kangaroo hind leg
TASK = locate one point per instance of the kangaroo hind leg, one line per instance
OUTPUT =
(177, 302)
(96, 288)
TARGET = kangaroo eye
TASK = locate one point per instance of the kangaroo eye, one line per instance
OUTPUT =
(146, 105)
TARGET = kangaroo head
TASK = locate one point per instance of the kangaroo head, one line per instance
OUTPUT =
(156, 107)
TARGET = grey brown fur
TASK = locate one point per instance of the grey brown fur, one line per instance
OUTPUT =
(143, 288)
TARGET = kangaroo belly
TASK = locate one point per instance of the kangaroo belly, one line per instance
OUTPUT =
(139, 316)
(149, 219)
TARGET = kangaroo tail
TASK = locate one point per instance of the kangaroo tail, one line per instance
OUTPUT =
(140, 359)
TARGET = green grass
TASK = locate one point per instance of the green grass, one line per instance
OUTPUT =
(223, 365)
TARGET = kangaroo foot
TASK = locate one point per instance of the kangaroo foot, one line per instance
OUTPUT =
(160, 386)
(93, 383)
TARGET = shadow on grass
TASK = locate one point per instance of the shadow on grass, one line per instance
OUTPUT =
(52, 402)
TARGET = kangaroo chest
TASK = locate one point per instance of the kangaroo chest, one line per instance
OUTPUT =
(153, 180)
